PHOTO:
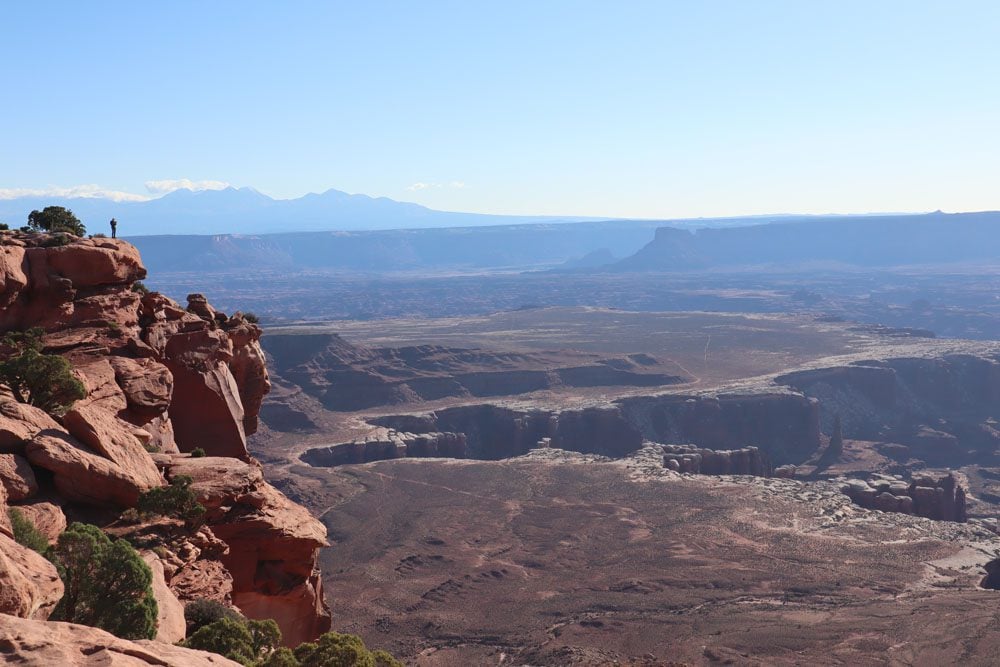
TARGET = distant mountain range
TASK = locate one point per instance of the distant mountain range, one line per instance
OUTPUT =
(247, 211)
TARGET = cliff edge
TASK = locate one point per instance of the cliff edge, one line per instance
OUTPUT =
(162, 380)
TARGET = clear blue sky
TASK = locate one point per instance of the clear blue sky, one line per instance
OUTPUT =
(652, 109)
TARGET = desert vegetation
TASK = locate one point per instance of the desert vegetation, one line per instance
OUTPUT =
(107, 584)
(43, 380)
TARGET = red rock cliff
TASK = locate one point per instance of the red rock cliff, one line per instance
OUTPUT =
(162, 380)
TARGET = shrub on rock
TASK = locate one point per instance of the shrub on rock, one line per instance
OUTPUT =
(333, 649)
(43, 380)
(228, 637)
(176, 500)
(25, 532)
(199, 613)
(56, 219)
(107, 584)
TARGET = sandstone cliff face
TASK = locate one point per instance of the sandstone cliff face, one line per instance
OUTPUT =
(938, 408)
(161, 380)
(491, 432)
(785, 426)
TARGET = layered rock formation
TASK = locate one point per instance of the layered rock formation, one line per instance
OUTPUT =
(345, 376)
(161, 380)
(494, 432)
(938, 408)
(938, 497)
(691, 459)
(784, 425)
(389, 444)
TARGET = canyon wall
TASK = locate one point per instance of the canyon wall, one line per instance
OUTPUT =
(785, 426)
(495, 432)
(162, 380)
(939, 409)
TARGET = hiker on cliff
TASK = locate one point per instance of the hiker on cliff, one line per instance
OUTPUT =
(114, 228)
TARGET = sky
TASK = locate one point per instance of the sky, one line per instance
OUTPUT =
(624, 109)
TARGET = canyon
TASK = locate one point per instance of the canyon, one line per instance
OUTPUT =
(540, 485)
(797, 471)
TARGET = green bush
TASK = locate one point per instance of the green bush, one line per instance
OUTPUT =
(140, 287)
(56, 219)
(199, 613)
(283, 657)
(25, 532)
(340, 650)
(197, 453)
(245, 641)
(175, 500)
(384, 659)
(219, 629)
(4, 227)
(251, 317)
(228, 637)
(43, 380)
(107, 584)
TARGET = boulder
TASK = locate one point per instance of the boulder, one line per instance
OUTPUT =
(217, 480)
(161, 435)
(91, 264)
(38, 644)
(147, 386)
(103, 391)
(19, 423)
(30, 587)
(115, 440)
(171, 626)
(83, 476)
(17, 477)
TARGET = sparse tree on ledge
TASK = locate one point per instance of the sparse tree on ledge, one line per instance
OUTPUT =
(108, 585)
(43, 380)
(56, 219)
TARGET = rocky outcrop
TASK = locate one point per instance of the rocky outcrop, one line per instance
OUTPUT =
(272, 543)
(19, 423)
(388, 444)
(691, 459)
(494, 432)
(38, 644)
(939, 407)
(938, 497)
(84, 476)
(785, 426)
(160, 379)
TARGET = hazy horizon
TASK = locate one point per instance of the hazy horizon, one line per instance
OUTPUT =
(644, 110)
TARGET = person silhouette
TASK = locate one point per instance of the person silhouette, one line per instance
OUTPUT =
(114, 228)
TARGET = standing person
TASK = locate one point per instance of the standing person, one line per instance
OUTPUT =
(114, 228)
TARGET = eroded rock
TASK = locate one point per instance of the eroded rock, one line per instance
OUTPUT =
(28, 642)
